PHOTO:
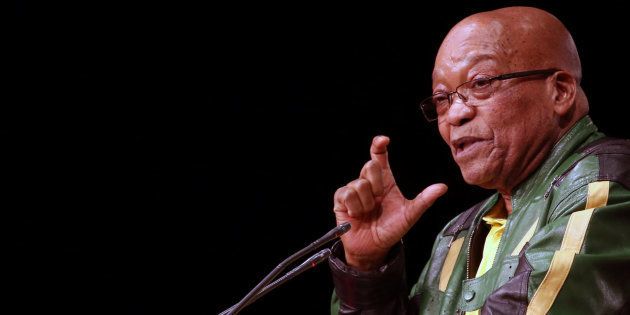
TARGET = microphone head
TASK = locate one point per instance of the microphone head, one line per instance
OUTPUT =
(343, 228)
(320, 256)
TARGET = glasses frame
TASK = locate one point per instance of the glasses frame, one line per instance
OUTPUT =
(429, 100)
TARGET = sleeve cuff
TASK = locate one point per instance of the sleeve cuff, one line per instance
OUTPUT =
(362, 289)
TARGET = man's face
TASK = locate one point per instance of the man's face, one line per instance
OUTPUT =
(495, 142)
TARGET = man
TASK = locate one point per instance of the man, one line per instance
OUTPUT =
(553, 239)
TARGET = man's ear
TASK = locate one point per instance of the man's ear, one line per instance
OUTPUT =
(564, 92)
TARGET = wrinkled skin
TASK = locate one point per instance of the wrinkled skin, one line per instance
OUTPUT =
(496, 145)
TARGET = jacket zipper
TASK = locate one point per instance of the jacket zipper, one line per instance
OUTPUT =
(472, 234)
(558, 179)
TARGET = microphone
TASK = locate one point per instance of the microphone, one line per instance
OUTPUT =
(331, 235)
(311, 262)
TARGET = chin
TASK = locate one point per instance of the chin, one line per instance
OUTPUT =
(478, 176)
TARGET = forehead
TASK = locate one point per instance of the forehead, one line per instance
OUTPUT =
(471, 45)
(460, 68)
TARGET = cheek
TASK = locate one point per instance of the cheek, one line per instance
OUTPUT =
(517, 125)
(507, 130)
(445, 132)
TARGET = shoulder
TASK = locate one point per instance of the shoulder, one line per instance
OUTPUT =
(613, 158)
(606, 159)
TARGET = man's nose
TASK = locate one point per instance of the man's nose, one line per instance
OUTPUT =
(459, 113)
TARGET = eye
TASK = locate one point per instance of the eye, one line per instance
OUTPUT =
(480, 83)
(440, 100)
(440, 97)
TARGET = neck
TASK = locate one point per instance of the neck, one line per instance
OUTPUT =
(507, 202)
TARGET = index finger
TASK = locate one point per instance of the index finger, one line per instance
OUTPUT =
(378, 151)
(373, 173)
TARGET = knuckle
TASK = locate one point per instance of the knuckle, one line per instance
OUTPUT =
(363, 185)
(339, 192)
(369, 165)
(350, 194)
(373, 165)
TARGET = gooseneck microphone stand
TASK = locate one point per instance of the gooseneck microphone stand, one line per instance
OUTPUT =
(312, 261)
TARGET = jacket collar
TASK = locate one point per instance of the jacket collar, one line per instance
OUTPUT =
(567, 145)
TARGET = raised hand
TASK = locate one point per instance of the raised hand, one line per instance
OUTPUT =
(380, 215)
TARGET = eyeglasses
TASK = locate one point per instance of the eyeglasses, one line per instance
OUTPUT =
(472, 92)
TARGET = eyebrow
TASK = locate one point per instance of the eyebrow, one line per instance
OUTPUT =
(474, 60)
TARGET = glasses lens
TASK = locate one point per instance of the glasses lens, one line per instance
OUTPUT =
(435, 105)
(428, 109)
(479, 89)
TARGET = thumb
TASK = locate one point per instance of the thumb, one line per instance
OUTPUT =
(425, 199)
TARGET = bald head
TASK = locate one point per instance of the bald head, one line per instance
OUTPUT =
(527, 38)
(513, 122)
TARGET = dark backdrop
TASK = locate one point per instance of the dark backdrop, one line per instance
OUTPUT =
(163, 157)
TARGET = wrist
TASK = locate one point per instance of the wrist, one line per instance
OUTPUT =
(366, 262)
(378, 286)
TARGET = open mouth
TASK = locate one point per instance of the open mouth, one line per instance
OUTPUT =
(466, 144)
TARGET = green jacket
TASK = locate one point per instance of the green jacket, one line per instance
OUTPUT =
(565, 248)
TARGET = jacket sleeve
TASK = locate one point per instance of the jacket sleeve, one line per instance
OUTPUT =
(598, 272)
(382, 291)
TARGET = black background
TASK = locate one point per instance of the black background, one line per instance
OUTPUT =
(163, 157)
